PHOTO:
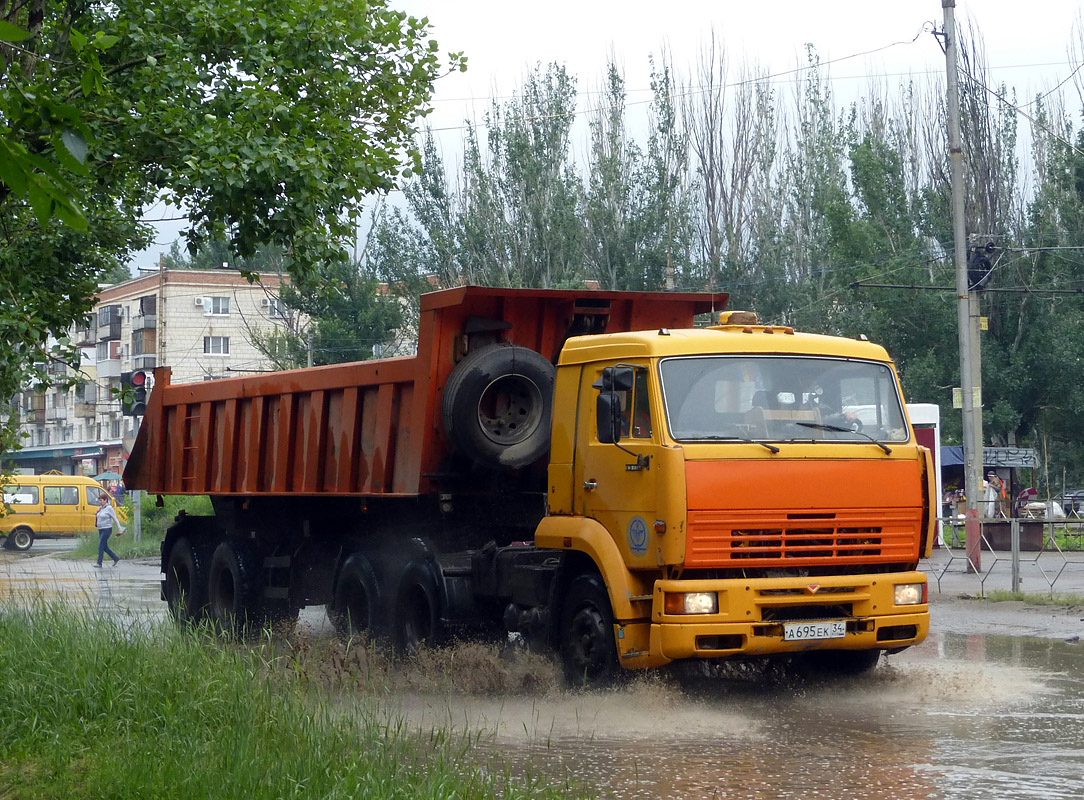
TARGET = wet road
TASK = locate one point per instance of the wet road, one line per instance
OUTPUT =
(959, 717)
(962, 716)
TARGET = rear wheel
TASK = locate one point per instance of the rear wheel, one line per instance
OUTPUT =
(356, 600)
(186, 582)
(234, 588)
(588, 647)
(416, 617)
(21, 539)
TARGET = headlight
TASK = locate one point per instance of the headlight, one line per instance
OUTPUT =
(692, 603)
(910, 594)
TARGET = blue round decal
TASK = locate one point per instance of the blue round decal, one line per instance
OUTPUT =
(638, 536)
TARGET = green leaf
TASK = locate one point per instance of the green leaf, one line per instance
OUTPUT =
(75, 144)
(78, 40)
(12, 169)
(39, 198)
(103, 41)
(12, 33)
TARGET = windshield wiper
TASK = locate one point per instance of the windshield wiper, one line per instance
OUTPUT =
(771, 447)
(820, 426)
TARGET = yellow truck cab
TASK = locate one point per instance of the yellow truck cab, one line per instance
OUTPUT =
(48, 506)
(744, 490)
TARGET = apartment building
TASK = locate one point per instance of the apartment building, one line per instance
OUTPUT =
(197, 322)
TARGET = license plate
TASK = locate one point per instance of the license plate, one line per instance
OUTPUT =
(805, 631)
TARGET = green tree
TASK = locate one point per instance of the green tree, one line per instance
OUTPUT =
(345, 316)
(268, 125)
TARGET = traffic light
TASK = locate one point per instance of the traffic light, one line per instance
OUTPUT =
(133, 393)
(979, 267)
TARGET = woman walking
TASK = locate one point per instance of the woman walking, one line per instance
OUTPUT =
(104, 520)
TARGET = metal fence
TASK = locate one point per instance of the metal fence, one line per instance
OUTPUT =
(1018, 554)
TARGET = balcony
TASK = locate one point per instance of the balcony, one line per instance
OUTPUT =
(56, 414)
(34, 416)
(109, 368)
(109, 331)
(109, 323)
(85, 410)
(144, 362)
(142, 322)
(86, 335)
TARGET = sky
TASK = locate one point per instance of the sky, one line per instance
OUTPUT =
(1026, 46)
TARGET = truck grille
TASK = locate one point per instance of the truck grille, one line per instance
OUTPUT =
(745, 539)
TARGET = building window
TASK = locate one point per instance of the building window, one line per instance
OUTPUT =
(275, 308)
(216, 305)
(216, 345)
(116, 429)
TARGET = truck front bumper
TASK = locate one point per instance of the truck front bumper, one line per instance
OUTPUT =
(752, 616)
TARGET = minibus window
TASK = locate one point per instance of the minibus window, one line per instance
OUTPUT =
(62, 495)
(21, 495)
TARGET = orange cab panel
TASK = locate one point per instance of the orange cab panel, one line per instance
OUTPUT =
(802, 513)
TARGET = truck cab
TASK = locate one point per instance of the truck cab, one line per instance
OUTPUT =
(743, 490)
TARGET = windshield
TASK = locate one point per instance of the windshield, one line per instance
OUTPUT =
(781, 399)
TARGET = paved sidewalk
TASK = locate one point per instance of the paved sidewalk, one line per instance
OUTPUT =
(1048, 572)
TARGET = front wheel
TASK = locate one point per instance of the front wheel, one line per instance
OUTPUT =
(588, 646)
(21, 539)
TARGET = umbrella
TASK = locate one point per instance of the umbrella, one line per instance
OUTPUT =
(108, 476)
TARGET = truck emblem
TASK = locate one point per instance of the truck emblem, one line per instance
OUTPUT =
(638, 536)
(813, 587)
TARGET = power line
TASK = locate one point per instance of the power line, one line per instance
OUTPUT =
(767, 77)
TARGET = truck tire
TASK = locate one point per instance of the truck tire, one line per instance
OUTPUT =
(186, 582)
(21, 539)
(355, 605)
(233, 593)
(497, 406)
(416, 617)
(587, 645)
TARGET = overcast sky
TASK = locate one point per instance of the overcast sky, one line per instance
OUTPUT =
(1026, 46)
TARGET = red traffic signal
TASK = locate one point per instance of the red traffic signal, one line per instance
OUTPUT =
(133, 397)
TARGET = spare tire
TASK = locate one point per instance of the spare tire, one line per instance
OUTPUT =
(497, 406)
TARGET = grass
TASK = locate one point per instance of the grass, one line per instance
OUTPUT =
(89, 709)
(1001, 595)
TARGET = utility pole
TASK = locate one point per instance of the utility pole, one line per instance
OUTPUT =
(967, 309)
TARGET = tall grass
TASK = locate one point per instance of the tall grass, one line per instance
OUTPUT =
(88, 709)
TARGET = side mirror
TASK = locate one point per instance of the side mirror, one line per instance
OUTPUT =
(608, 417)
(615, 379)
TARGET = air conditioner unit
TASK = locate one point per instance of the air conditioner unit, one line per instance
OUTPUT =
(199, 301)
(265, 302)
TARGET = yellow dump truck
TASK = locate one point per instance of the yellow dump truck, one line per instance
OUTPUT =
(587, 469)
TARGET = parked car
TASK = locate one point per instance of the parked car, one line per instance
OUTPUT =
(1072, 502)
(48, 506)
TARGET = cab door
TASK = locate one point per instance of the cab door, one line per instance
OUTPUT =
(61, 508)
(616, 483)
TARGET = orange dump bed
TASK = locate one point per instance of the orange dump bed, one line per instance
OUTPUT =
(372, 427)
